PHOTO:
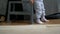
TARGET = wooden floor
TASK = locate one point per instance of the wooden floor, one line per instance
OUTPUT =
(52, 21)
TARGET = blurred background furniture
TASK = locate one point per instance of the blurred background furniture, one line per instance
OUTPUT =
(27, 9)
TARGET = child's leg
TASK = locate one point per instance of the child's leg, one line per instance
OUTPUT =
(43, 12)
(43, 16)
(38, 10)
(38, 16)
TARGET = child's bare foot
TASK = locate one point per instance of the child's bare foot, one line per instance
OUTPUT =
(39, 21)
(44, 20)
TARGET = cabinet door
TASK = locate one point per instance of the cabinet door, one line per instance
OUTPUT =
(27, 6)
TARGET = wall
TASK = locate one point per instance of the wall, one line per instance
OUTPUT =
(51, 6)
(58, 3)
(3, 4)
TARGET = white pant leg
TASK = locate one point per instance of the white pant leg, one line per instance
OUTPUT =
(43, 10)
(38, 9)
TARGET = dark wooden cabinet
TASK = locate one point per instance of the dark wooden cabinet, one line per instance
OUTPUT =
(18, 7)
(22, 10)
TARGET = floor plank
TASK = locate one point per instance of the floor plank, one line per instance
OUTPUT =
(51, 21)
